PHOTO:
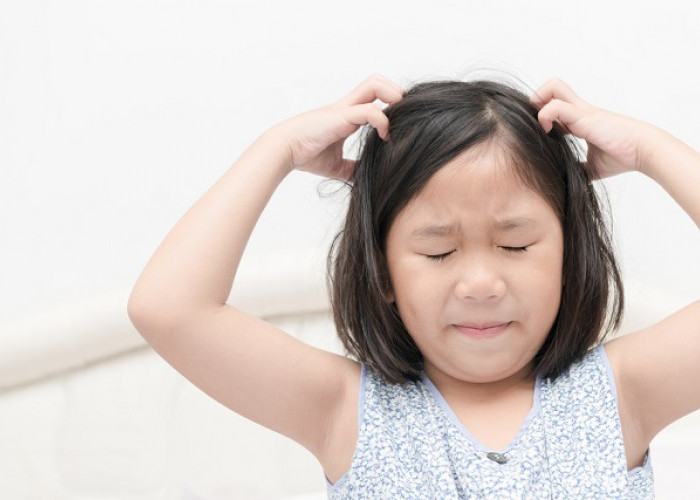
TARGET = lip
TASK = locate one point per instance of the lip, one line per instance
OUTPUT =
(482, 330)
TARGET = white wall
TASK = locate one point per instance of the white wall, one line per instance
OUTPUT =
(115, 116)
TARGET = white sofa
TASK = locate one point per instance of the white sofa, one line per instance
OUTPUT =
(88, 411)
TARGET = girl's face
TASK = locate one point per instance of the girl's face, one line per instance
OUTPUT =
(475, 261)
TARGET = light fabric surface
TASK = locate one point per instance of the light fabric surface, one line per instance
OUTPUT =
(71, 333)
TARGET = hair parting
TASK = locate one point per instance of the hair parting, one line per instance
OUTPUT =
(432, 124)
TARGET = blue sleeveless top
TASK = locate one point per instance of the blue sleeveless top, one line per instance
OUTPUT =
(411, 445)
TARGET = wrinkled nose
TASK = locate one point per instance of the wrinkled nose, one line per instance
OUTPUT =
(479, 279)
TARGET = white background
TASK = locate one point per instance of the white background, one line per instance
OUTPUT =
(115, 116)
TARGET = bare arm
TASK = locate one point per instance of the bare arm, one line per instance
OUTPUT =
(657, 369)
(179, 301)
(660, 366)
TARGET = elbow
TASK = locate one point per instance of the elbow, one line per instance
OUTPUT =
(149, 315)
(163, 313)
(139, 311)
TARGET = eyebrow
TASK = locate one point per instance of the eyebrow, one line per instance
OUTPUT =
(504, 225)
(515, 223)
(433, 230)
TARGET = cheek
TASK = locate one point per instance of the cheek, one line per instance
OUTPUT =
(548, 302)
(544, 289)
(407, 294)
(416, 294)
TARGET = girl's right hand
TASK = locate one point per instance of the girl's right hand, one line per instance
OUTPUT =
(316, 138)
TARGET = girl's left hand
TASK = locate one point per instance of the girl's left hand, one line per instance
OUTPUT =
(615, 142)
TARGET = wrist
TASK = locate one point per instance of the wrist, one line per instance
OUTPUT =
(656, 148)
(276, 148)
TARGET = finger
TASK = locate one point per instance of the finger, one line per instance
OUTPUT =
(555, 89)
(559, 111)
(372, 114)
(374, 87)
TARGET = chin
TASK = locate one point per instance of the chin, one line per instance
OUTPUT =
(489, 375)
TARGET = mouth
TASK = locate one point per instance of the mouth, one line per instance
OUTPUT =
(482, 330)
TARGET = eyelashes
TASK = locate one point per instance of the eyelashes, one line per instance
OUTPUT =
(515, 249)
(442, 256)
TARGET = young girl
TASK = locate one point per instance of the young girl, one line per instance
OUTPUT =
(471, 279)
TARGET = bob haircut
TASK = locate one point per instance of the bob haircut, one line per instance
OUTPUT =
(429, 126)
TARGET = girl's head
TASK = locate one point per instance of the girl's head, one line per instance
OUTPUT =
(471, 216)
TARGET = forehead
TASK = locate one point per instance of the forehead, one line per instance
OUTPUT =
(480, 184)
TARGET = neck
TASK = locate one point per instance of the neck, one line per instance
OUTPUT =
(452, 387)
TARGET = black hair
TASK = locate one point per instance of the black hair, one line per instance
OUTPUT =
(428, 127)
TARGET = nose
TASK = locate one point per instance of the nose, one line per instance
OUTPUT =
(479, 279)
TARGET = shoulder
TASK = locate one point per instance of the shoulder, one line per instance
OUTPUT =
(372, 408)
(587, 385)
(390, 396)
(591, 369)
(335, 454)
(588, 392)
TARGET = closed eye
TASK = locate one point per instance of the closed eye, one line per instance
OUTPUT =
(515, 249)
(440, 256)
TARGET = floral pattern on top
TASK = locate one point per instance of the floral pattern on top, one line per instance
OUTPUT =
(412, 446)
